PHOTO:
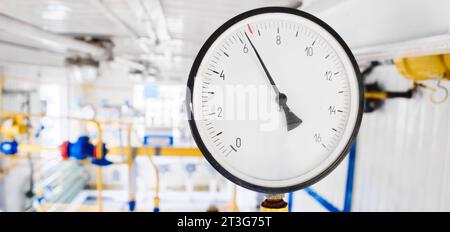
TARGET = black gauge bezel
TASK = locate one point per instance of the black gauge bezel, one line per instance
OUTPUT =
(189, 103)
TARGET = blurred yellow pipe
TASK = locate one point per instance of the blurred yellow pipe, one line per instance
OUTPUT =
(234, 206)
(156, 197)
(375, 95)
(130, 159)
(36, 148)
(163, 151)
(99, 155)
(140, 151)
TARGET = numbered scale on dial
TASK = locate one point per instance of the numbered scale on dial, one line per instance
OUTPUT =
(274, 99)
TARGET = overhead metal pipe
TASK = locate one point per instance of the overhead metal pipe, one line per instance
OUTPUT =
(433, 45)
(24, 54)
(53, 41)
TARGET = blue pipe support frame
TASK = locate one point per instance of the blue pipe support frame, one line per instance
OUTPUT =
(330, 207)
(350, 178)
(348, 187)
(290, 201)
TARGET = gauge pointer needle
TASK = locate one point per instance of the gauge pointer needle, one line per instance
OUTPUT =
(291, 119)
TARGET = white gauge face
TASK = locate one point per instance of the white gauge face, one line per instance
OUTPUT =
(241, 120)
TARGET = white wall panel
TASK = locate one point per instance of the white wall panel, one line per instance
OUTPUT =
(402, 159)
(403, 153)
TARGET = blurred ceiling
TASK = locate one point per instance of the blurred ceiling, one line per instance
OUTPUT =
(165, 33)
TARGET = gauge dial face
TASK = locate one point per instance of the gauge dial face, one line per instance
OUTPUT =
(275, 99)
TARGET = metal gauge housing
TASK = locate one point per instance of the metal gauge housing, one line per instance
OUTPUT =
(274, 99)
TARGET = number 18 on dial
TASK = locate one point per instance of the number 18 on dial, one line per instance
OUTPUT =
(274, 99)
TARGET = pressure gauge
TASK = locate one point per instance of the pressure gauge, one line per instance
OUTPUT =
(274, 99)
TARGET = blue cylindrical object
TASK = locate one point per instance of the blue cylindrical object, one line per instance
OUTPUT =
(9, 147)
(131, 205)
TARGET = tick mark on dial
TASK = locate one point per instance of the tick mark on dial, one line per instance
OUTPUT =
(242, 42)
(217, 134)
(323, 145)
(214, 71)
(234, 149)
(326, 57)
(296, 34)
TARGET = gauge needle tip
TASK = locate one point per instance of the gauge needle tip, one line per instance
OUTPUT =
(292, 120)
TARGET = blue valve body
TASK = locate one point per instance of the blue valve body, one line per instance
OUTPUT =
(9, 147)
(83, 149)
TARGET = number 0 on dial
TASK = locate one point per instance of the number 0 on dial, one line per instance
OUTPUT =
(274, 99)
